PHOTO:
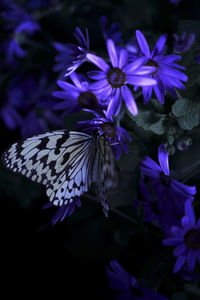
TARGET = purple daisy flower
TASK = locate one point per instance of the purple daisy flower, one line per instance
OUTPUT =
(77, 96)
(128, 286)
(167, 77)
(186, 239)
(171, 193)
(116, 135)
(20, 22)
(64, 210)
(112, 81)
(72, 56)
(184, 42)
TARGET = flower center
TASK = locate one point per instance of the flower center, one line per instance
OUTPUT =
(165, 179)
(116, 77)
(192, 239)
(152, 63)
(87, 100)
(109, 130)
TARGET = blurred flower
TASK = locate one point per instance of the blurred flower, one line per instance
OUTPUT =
(186, 239)
(198, 59)
(128, 286)
(184, 42)
(112, 81)
(64, 210)
(167, 77)
(24, 97)
(20, 23)
(171, 193)
(175, 1)
(116, 135)
(133, 49)
(113, 32)
(76, 96)
(72, 56)
(153, 211)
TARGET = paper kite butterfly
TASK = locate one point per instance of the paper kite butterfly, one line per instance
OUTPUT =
(66, 162)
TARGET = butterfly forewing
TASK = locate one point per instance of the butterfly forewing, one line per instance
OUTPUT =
(66, 162)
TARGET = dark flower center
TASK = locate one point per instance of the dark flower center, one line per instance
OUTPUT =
(109, 130)
(87, 100)
(192, 239)
(152, 63)
(116, 77)
(165, 179)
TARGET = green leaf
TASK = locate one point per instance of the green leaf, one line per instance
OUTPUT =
(187, 113)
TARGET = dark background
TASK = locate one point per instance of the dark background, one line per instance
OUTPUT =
(71, 256)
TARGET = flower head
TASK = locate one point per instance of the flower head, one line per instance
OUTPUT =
(116, 135)
(171, 193)
(112, 80)
(166, 73)
(72, 56)
(64, 210)
(184, 42)
(128, 286)
(76, 97)
(113, 32)
(186, 239)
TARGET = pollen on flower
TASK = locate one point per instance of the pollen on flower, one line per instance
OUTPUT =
(109, 130)
(116, 77)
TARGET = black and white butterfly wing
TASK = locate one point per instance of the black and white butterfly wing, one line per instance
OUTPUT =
(66, 162)
(107, 175)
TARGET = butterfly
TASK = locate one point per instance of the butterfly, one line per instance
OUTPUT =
(67, 163)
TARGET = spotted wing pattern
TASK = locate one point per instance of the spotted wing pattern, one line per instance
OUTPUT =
(66, 162)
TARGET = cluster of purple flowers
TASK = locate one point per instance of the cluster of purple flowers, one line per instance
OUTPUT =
(107, 93)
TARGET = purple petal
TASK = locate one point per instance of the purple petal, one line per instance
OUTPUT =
(135, 65)
(129, 100)
(96, 75)
(180, 250)
(185, 221)
(191, 260)
(174, 73)
(67, 86)
(159, 45)
(147, 92)
(179, 263)
(99, 85)
(159, 95)
(98, 61)
(140, 81)
(145, 70)
(123, 58)
(163, 159)
(184, 189)
(143, 43)
(151, 164)
(178, 232)
(190, 212)
(76, 81)
(114, 105)
(112, 53)
(172, 241)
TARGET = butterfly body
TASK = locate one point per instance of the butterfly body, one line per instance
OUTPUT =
(66, 162)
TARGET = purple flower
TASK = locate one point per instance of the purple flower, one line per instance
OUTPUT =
(171, 193)
(186, 239)
(76, 96)
(72, 56)
(64, 210)
(112, 81)
(175, 1)
(152, 210)
(167, 77)
(20, 22)
(116, 135)
(184, 42)
(113, 32)
(128, 286)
